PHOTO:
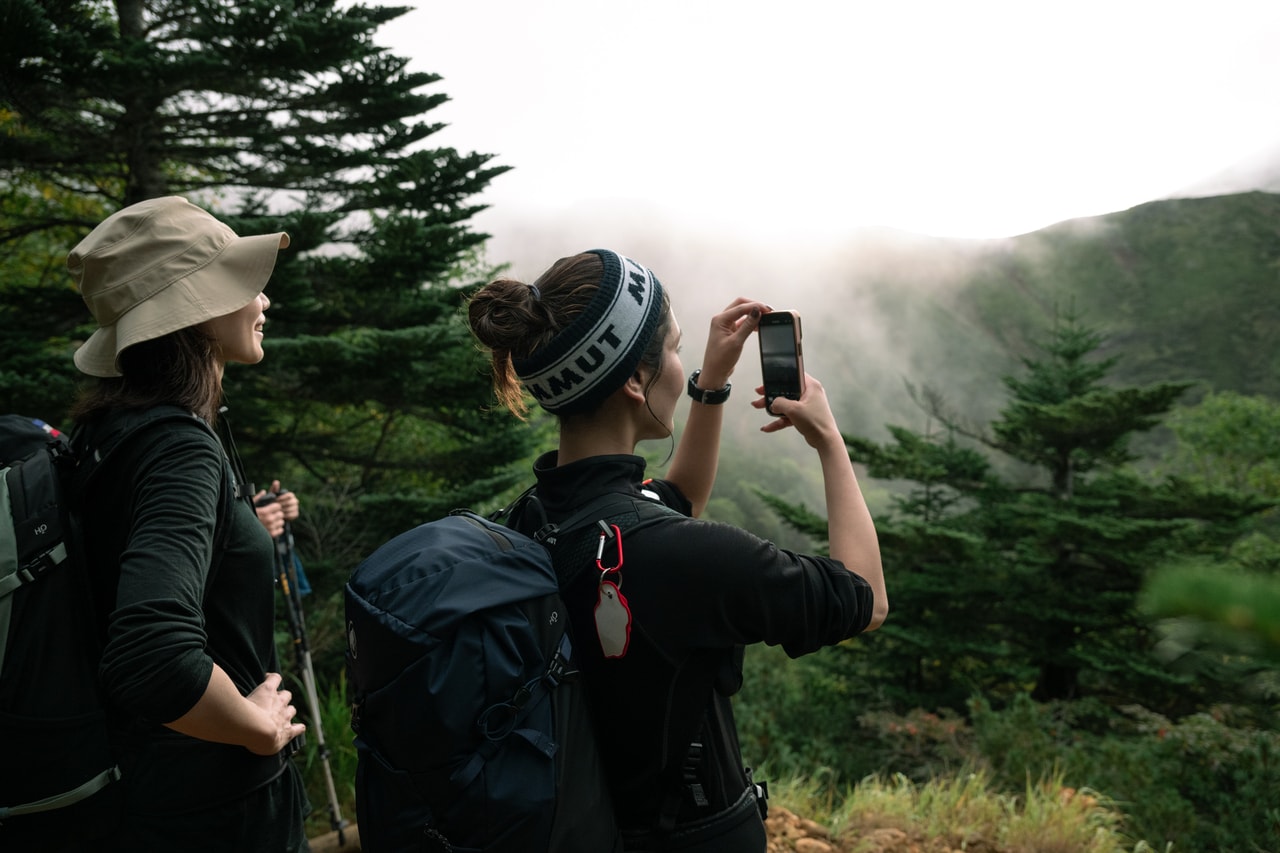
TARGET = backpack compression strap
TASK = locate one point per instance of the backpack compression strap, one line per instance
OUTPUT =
(58, 801)
(508, 714)
(14, 502)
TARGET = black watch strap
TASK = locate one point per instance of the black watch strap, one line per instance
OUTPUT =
(707, 398)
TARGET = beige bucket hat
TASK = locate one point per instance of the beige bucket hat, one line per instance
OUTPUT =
(161, 265)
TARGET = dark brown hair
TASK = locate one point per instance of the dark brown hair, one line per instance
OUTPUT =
(179, 368)
(512, 319)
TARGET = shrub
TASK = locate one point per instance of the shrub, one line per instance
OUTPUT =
(1201, 782)
(798, 719)
(919, 745)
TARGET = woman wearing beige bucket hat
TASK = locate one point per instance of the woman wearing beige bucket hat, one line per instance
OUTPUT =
(202, 730)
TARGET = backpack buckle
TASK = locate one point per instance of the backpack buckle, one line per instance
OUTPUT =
(546, 534)
(561, 668)
(42, 563)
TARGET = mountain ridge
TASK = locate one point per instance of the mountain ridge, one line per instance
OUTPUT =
(1182, 289)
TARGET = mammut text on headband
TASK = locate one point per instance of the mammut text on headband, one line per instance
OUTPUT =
(596, 353)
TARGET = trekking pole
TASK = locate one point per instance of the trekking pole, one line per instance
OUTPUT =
(288, 576)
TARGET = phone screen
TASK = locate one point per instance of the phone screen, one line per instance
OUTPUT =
(780, 356)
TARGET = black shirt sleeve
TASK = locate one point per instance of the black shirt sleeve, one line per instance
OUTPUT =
(155, 665)
(722, 585)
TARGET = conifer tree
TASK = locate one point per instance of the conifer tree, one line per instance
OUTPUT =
(1080, 535)
(277, 115)
(1016, 554)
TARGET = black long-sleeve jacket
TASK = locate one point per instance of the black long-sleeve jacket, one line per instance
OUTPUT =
(698, 591)
(192, 573)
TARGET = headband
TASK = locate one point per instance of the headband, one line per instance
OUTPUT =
(595, 354)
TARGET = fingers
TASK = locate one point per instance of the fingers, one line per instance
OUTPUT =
(288, 727)
(289, 505)
(742, 306)
(729, 331)
(781, 421)
(292, 732)
(739, 319)
(287, 500)
(272, 518)
(281, 700)
(278, 706)
(810, 415)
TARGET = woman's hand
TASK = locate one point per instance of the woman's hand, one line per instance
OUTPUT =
(288, 501)
(729, 332)
(261, 722)
(697, 457)
(810, 415)
(271, 514)
(277, 705)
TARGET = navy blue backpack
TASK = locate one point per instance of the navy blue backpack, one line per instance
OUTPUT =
(472, 730)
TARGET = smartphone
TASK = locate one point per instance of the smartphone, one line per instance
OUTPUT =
(781, 357)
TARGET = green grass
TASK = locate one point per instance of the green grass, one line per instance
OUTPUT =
(962, 811)
(335, 717)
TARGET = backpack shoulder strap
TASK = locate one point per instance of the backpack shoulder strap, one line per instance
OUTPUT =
(567, 539)
(122, 429)
(569, 542)
(527, 515)
(59, 473)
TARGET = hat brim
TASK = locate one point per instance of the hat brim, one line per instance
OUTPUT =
(230, 281)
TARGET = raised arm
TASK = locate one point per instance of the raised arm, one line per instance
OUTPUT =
(697, 456)
(850, 530)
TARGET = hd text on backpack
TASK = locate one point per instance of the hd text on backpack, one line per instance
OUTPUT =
(58, 767)
(58, 783)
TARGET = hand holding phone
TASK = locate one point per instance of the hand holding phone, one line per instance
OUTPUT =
(781, 357)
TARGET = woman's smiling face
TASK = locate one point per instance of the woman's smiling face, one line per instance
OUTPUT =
(238, 336)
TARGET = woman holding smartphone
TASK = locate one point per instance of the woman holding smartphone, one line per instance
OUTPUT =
(594, 341)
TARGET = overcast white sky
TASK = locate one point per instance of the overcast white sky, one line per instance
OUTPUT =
(964, 119)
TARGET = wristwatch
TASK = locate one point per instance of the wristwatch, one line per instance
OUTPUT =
(707, 398)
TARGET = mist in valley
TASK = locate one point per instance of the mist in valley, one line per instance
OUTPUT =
(886, 314)
(878, 310)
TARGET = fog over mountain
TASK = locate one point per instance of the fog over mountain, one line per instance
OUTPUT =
(881, 308)
(1261, 171)
(834, 286)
